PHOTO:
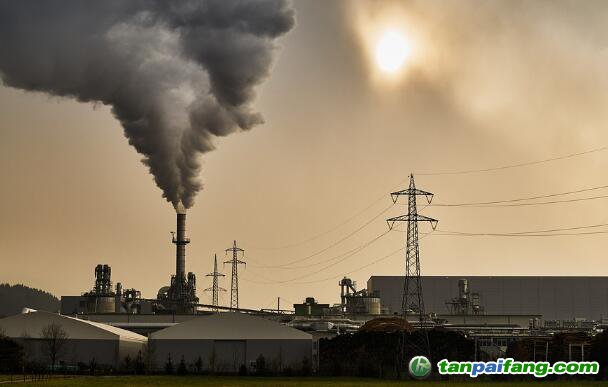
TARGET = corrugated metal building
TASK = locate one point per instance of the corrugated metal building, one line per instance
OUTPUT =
(226, 341)
(85, 340)
(555, 298)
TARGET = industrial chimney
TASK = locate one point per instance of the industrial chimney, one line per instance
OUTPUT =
(180, 241)
(180, 295)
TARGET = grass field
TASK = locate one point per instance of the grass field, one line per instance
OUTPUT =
(20, 378)
(146, 381)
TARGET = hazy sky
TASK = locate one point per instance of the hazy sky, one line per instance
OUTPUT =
(486, 84)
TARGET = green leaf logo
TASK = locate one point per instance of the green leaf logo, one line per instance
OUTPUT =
(420, 367)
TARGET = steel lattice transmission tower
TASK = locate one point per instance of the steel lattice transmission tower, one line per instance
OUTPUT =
(215, 288)
(413, 301)
(234, 287)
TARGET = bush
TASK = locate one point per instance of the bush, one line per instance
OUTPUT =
(385, 354)
(181, 368)
(169, 365)
(11, 356)
(198, 365)
(260, 365)
(92, 366)
(599, 353)
(306, 367)
(140, 365)
(127, 365)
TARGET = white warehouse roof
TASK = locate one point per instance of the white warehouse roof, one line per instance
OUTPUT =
(30, 325)
(230, 326)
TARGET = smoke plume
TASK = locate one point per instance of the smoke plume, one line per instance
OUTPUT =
(176, 73)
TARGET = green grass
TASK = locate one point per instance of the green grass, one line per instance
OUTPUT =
(20, 378)
(146, 381)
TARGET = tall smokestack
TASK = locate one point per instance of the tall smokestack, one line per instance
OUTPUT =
(180, 241)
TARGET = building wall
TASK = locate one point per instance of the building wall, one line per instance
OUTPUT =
(105, 352)
(73, 305)
(555, 298)
(130, 348)
(229, 353)
(109, 318)
(84, 341)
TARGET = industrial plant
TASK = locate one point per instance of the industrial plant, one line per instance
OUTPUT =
(481, 318)
(478, 317)
(492, 312)
(179, 297)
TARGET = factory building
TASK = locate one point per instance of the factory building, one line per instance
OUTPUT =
(79, 341)
(553, 298)
(357, 302)
(310, 307)
(226, 341)
(102, 299)
(179, 297)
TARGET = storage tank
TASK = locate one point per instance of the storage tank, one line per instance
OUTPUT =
(363, 305)
(101, 304)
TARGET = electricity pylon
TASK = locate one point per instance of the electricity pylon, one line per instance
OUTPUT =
(215, 288)
(413, 301)
(234, 287)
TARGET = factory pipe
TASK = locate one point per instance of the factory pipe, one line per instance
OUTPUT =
(180, 240)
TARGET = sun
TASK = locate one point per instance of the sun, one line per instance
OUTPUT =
(392, 51)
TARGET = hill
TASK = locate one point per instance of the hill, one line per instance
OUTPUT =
(13, 298)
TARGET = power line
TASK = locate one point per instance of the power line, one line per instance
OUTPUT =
(317, 236)
(521, 199)
(355, 270)
(355, 250)
(349, 252)
(538, 231)
(299, 260)
(524, 204)
(348, 220)
(518, 165)
(364, 266)
(449, 232)
(330, 265)
(383, 258)
(335, 276)
(521, 235)
(270, 304)
(337, 262)
(535, 233)
(267, 282)
(286, 299)
(527, 235)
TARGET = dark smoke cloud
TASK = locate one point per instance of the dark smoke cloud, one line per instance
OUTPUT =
(176, 73)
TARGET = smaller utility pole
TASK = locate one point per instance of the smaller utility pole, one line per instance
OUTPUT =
(234, 286)
(215, 288)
